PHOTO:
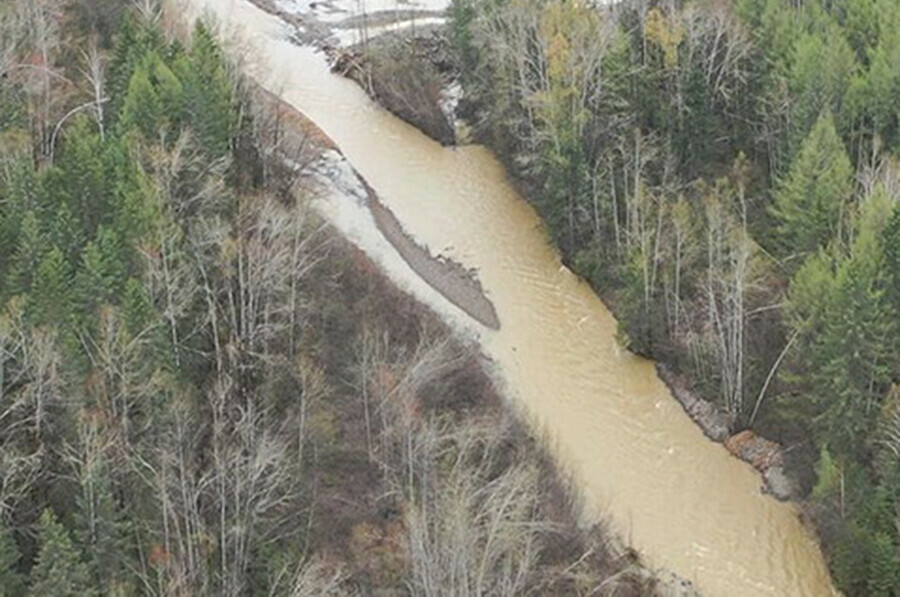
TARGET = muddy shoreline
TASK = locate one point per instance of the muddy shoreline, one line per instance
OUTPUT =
(406, 76)
(454, 282)
(458, 285)
(765, 455)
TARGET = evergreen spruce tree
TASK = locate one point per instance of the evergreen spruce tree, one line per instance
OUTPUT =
(208, 93)
(67, 233)
(811, 202)
(883, 80)
(122, 62)
(892, 253)
(861, 26)
(11, 582)
(883, 568)
(28, 254)
(49, 295)
(141, 110)
(100, 528)
(169, 90)
(25, 187)
(134, 41)
(846, 326)
(81, 178)
(823, 66)
(102, 274)
(59, 570)
(136, 213)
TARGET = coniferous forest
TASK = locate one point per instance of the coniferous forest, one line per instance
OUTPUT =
(725, 174)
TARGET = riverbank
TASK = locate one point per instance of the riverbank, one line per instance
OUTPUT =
(592, 549)
(400, 56)
(762, 454)
(305, 148)
(450, 279)
(410, 73)
(712, 420)
(610, 417)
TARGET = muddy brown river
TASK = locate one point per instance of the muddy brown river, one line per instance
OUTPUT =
(679, 499)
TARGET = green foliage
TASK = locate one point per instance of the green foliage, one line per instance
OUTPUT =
(823, 65)
(81, 178)
(142, 110)
(19, 227)
(883, 567)
(59, 570)
(27, 256)
(461, 15)
(891, 243)
(102, 531)
(137, 212)
(134, 42)
(860, 25)
(67, 233)
(635, 327)
(778, 30)
(845, 325)
(208, 93)
(811, 202)
(101, 277)
(49, 295)
(883, 81)
(12, 108)
(850, 561)
(11, 581)
(122, 61)
(828, 474)
(169, 89)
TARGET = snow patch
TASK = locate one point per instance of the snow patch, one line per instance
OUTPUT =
(348, 36)
(332, 11)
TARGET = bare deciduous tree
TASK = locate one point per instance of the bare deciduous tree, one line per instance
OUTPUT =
(30, 386)
(94, 72)
(729, 276)
(472, 533)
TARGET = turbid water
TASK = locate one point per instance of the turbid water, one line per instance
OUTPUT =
(679, 499)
